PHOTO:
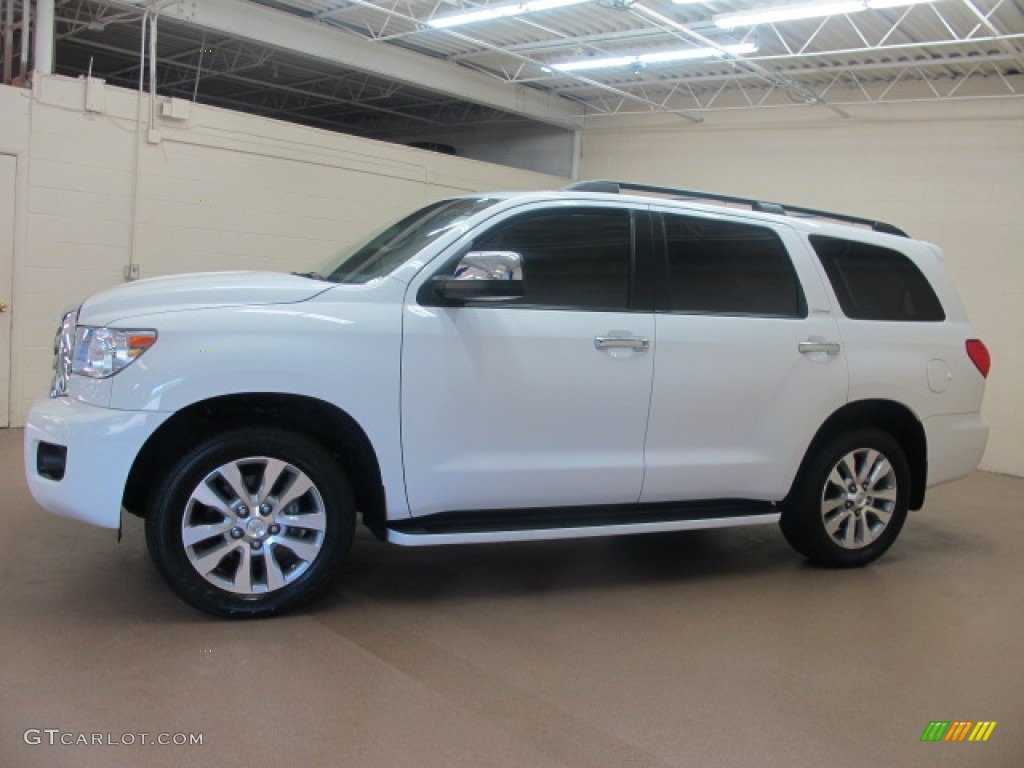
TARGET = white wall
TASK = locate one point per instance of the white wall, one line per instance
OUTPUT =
(530, 146)
(221, 190)
(951, 173)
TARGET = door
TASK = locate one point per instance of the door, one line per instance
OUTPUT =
(8, 168)
(749, 361)
(540, 400)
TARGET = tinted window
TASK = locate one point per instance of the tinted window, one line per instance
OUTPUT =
(874, 283)
(730, 268)
(572, 257)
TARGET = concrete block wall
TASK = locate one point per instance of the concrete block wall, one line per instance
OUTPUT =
(521, 144)
(951, 173)
(218, 190)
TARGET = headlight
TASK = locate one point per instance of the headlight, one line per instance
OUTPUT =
(63, 345)
(102, 352)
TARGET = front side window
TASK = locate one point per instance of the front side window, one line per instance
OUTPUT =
(572, 258)
(875, 283)
(725, 267)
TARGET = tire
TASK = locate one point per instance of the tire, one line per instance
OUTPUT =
(850, 500)
(250, 522)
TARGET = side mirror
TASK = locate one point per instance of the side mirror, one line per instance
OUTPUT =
(483, 276)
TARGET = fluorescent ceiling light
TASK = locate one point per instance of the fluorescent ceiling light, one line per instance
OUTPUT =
(812, 10)
(661, 57)
(500, 12)
(786, 13)
(895, 3)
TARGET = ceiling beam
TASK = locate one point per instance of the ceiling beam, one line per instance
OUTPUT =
(794, 88)
(1006, 45)
(331, 44)
(454, 33)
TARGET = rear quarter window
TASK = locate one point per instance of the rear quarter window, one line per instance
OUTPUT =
(876, 283)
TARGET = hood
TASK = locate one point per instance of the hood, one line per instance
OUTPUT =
(204, 290)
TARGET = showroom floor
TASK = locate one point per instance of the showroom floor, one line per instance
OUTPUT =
(699, 649)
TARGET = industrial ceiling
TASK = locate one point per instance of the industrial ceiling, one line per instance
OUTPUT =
(386, 68)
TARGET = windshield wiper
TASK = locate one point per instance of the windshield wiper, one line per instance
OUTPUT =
(311, 275)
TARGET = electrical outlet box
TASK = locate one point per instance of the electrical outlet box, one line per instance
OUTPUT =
(176, 109)
(131, 271)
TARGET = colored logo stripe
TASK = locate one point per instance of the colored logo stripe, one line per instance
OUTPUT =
(958, 730)
(982, 731)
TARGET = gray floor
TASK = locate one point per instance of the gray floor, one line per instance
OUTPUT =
(700, 649)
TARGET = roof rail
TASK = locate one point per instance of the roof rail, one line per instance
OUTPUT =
(615, 187)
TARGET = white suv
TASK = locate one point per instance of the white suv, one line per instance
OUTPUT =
(518, 366)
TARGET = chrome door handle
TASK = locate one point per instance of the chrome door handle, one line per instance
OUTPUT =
(622, 342)
(828, 347)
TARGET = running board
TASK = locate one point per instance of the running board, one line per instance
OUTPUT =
(576, 523)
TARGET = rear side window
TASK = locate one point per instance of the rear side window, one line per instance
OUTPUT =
(730, 268)
(875, 283)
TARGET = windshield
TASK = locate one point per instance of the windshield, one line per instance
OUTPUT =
(385, 252)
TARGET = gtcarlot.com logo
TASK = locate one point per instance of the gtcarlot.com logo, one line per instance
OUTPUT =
(958, 730)
(56, 737)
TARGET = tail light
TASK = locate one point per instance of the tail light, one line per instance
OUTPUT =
(978, 352)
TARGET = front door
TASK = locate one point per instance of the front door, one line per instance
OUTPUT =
(538, 401)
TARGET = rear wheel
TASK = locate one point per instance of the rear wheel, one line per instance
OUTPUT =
(850, 501)
(250, 522)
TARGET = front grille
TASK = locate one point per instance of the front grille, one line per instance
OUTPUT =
(63, 347)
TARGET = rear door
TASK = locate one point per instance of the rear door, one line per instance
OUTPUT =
(749, 360)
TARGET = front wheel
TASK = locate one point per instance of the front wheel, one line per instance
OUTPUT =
(850, 501)
(250, 522)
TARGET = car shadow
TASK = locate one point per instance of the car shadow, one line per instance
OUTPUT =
(399, 574)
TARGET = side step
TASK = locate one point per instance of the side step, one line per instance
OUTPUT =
(577, 522)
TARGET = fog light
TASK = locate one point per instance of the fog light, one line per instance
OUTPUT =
(51, 460)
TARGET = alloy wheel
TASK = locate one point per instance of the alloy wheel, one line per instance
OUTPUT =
(253, 525)
(859, 498)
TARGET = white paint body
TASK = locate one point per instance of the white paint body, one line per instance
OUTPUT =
(490, 408)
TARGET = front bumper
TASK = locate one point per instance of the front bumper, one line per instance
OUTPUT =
(101, 445)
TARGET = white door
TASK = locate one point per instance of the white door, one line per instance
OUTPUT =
(749, 362)
(8, 167)
(524, 403)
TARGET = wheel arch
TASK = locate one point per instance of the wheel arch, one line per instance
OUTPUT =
(891, 417)
(329, 425)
